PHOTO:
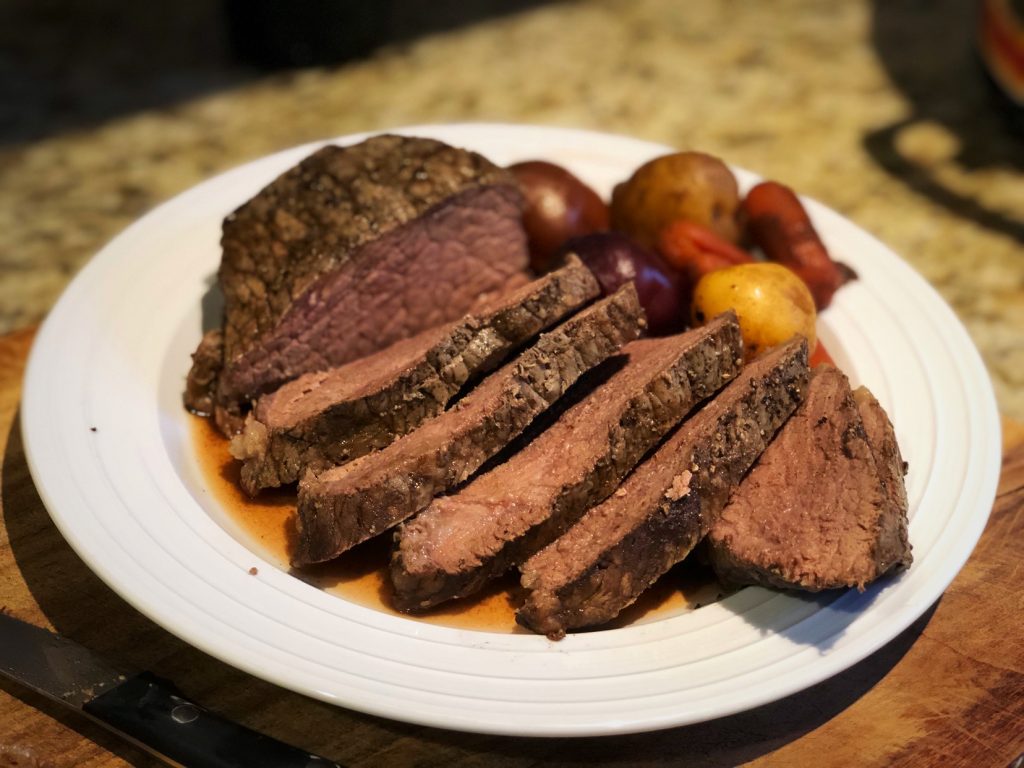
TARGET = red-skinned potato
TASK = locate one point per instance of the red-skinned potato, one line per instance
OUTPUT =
(558, 206)
(616, 260)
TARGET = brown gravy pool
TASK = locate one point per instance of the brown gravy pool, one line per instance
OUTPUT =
(360, 575)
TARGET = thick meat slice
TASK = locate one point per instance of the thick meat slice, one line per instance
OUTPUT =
(201, 387)
(348, 504)
(656, 517)
(814, 513)
(891, 470)
(356, 248)
(330, 417)
(461, 541)
(201, 384)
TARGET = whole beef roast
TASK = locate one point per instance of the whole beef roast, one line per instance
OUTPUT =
(330, 417)
(356, 248)
(461, 541)
(666, 506)
(825, 506)
(345, 505)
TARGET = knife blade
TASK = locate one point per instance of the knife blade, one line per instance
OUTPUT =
(142, 708)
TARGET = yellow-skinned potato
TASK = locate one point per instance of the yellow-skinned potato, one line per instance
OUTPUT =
(773, 304)
(691, 186)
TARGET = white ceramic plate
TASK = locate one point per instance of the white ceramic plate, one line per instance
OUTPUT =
(130, 499)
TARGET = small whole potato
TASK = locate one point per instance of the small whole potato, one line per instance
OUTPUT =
(772, 303)
(616, 260)
(691, 186)
(558, 206)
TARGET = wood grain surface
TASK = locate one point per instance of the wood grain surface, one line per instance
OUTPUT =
(948, 691)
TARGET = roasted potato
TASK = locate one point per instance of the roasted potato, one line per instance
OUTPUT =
(685, 185)
(773, 304)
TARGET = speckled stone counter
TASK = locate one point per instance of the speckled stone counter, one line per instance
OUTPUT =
(877, 110)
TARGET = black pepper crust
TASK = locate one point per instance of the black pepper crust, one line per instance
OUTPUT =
(309, 220)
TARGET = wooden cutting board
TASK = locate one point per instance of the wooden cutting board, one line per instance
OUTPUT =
(948, 691)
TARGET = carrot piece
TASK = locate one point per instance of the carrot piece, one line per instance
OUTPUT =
(684, 235)
(777, 221)
(695, 250)
(820, 356)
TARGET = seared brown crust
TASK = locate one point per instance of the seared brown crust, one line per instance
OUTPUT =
(618, 548)
(328, 418)
(316, 218)
(814, 513)
(411, 389)
(346, 505)
(893, 548)
(201, 384)
(461, 541)
(311, 219)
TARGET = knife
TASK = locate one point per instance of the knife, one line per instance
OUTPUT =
(142, 708)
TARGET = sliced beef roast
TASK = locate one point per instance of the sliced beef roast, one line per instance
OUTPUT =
(201, 387)
(345, 505)
(356, 248)
(201, 384)
(461, 541)
(816, 513)
(656, 517)
(330, 417)
(891, 471)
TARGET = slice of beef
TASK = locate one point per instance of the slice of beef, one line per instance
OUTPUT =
(328, 418)
(356, 248)
(814, 513)
(201, 384)
(663, 509)
(501, 518)
(893, 537)
(345, 505)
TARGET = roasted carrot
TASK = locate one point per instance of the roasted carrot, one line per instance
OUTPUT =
(778, 223)
(682, 237)
(695, 250)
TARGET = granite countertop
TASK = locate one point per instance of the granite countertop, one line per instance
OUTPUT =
(848, 103)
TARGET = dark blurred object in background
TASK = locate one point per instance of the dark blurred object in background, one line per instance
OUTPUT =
(65, 64)
(300, 33)
(1001, 49)
(272, 34)
(929, 50)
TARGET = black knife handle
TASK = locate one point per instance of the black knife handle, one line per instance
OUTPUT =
(152, 713)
